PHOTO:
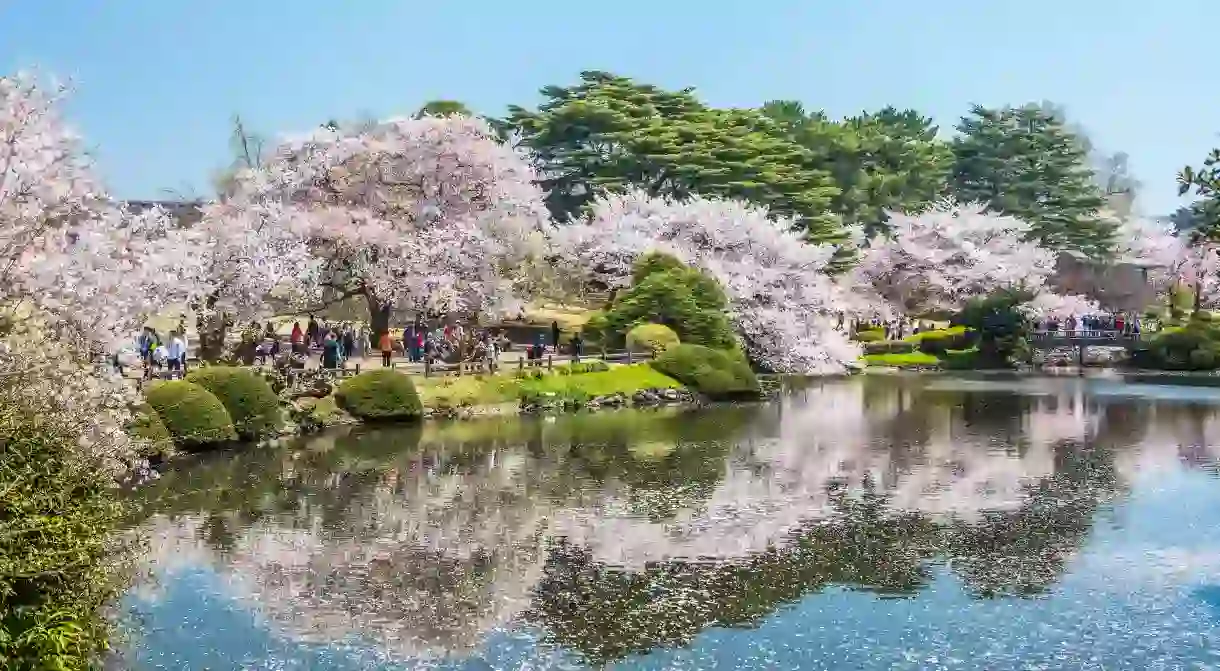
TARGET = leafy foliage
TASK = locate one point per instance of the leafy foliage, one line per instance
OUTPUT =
(610, 133)
(713, 373)
(249, 399)
(1193, 347)
(1024, 162)
(193, 415)
(673, 295)
(147, 427)
(653, 338)
(382, 394)
(1001, 325)
(57, 559)
(882, 162)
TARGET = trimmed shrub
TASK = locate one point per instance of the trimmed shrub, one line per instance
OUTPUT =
(380, 395)
(1202, 316)
(869, 335)
(1193, 347)
(252, 405)
(686, 300)
(963, 359)
(58, 515)
(651, 338)
(193, 415)
(713, 373)
(146, 426)
(889, 347)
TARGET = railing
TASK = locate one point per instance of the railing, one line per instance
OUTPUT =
(1083, 334)
(435, 368)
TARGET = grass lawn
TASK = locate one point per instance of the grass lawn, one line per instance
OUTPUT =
(911, 359)
(470, 390)
(622, 379)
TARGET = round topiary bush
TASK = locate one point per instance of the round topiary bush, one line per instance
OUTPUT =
(193, 415)
(651, 338)
(247, 396)
(380, 395)
(713, 373)
(147, 427)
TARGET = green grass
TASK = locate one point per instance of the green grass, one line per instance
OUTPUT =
(474, 390)
(911, 359)
(936, 333)
(625, 379)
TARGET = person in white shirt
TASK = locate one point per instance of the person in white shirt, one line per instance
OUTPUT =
(176, 353)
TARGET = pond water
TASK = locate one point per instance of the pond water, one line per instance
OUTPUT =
(872, 523)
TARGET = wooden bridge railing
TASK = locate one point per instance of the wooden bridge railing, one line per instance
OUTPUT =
(433, 368)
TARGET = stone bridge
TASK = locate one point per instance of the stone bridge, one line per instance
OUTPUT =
(1081, 340)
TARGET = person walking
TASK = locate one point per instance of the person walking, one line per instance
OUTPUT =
(555, 335)
(330, 351)
(177, 354)
(387, 348)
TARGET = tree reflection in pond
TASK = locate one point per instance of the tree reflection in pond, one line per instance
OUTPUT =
(622, 532)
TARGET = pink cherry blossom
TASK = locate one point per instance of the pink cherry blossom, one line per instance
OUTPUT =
(419, 213)
(781, 298)
(939, 259)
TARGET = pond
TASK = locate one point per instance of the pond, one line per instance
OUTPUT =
(872, 523)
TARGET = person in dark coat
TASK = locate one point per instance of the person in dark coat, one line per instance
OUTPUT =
(330, 351)
(555, 335)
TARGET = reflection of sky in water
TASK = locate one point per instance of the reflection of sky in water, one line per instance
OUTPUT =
(1143, 592)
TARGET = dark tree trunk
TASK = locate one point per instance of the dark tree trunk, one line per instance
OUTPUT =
(212, 327)
(379, 314)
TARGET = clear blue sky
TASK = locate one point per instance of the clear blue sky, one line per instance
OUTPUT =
(157, 81)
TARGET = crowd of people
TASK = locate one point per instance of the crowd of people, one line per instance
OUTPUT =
(1128, 325)
(337, 343)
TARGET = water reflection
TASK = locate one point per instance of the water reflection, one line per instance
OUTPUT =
(622, 533)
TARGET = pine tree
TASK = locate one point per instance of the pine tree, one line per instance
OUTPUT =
(1025, 163)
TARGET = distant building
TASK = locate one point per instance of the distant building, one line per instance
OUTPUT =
(1121, 287)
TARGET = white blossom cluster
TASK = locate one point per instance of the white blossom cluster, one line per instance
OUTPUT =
(781, 297)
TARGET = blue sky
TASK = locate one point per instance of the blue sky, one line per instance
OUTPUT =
(157, 81)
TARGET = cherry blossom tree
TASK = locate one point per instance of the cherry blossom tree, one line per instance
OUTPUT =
(940, 258)
(781, 298)
(430, 213)
(78, 272)
(1155, 245)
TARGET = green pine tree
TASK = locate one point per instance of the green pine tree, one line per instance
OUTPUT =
(1024, 162)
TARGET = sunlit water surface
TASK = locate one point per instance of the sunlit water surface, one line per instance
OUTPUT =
(864, 524)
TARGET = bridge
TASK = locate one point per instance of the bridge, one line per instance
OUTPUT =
(1082, 339)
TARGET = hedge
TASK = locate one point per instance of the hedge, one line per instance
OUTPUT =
(247, 396)
(652, 338)
(889, 347)
(146, 426)
(193, 415)
(713, 373)
(1193, 347)
(380, 395)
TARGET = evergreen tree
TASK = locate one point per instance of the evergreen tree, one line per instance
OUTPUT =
(886, 161)
(1024, 162)
(612, 133)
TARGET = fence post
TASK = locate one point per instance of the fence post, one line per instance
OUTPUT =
(550, 362)
(603, 352)
(427, 366)
(520, 362)
(628, 355)
(461, 364)
(357, 369)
